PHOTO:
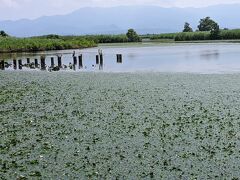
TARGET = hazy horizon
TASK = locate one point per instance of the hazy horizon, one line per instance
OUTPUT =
(32, 9)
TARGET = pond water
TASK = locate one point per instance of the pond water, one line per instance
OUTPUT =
(146, 57)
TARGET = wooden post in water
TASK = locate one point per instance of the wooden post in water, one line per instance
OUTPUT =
(20, 64)
(43, 65)
(28, 60)
(97, 59)
(119, 58)
(74, 63)
(101, 62)
(15, 64)
(59, 61)
(52, 62)
(36, 63)
(80, 61)
(2, 65)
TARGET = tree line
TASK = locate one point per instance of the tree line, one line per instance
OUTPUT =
(207, 29)
(205, 25)
(56, 42)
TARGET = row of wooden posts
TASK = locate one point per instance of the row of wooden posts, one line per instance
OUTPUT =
(79, 59)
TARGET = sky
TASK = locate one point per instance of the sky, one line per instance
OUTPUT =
(31, 9)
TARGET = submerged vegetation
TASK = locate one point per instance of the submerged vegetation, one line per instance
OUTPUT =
(88, 126)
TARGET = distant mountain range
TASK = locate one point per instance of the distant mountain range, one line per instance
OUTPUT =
(114, 20)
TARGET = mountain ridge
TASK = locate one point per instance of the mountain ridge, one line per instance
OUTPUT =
(115, 20)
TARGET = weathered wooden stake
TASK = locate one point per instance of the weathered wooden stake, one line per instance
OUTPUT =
(19, 64)
(119, 58)
(74, 62)
(36, 63)
(15, 64)
(28, 60)
(97, 59)
(52, 62)
(43, 66)
(101, 62)
(59, 61)
(80, 61)
(2, 65)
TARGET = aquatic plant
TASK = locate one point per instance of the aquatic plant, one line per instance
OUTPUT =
(119, 126)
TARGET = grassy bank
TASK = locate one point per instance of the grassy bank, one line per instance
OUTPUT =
(119, 126)
(11, 44)
(56, 42)
(121, 38)
(195, 36)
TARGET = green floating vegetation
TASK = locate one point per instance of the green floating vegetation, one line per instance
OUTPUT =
(11, 44)
(119, 126)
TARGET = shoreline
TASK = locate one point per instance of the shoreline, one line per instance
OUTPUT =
(161, 41)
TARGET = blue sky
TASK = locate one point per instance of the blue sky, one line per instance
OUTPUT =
(17, 9)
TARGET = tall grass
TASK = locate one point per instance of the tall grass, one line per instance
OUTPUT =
(122, 38)
(195, 36)
(192, 36)
(160, 36)
(230, 34)
(10, 44)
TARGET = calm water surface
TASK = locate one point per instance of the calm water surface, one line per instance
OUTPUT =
(149, 57)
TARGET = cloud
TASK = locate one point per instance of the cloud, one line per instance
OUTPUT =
(15, 9)
(8, 3)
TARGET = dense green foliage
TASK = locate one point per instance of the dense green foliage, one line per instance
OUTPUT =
(207, 30)
(107, 38)
(3, 34)
(187, 27)
(102, 38)
(56, 42)
(230, 34)
(209, 35)
(192, 36)
(133, 36)
(10, 44)
(161, 36)
(215, 31)
(198, 35)
(206, 24)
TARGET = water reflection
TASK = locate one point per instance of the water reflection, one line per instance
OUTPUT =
(197, 58)
(56, 62)
(209, 54)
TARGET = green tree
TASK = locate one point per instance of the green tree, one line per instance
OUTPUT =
(206, 24)
(133, 36)
(3, 34)
(187, 27)
(215, 31)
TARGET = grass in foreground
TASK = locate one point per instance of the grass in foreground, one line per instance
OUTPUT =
(125, 126)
